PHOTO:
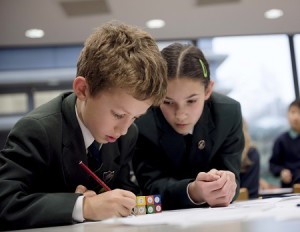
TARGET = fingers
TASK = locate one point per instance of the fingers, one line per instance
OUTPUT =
(126, 193)
(209, 176)
(215, 187)
(130, 200)
(115, 203)
(214, 171)
(80, 189)
(225, 194)
(89, 193)
(83, 190)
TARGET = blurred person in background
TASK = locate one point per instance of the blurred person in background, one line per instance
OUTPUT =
(285, 158)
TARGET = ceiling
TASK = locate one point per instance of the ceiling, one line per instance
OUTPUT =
(71, 21)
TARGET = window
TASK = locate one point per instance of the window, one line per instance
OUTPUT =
(15, 103)
(297, 54)
(256, 72)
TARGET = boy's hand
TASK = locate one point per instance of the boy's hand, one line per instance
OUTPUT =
(115, 203)
(87, 193)
(217, 188)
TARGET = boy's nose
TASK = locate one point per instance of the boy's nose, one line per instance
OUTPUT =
(122, 128)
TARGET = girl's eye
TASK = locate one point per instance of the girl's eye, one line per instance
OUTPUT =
(192, 101)
(167, 102)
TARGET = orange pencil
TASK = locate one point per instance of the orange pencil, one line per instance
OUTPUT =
(95, 177)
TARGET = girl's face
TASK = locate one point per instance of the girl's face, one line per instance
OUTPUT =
(184, 103)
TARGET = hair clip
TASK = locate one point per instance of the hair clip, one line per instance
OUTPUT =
(203, 68)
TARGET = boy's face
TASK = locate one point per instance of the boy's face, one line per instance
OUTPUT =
(184, 103)
(294, 118)
(109, 114)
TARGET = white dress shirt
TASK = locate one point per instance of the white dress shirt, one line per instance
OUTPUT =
(77, 214)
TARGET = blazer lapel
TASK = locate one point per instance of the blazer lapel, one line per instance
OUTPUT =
(73, 150)
(203, 141)
(111, 161)
(172, 143)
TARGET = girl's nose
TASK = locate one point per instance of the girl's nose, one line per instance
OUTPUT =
(180, 114)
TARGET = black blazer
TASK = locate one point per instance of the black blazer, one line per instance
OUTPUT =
(250, 178)
(159, 161)
(39, 166)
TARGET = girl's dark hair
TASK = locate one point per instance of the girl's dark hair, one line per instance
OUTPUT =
(186, 61)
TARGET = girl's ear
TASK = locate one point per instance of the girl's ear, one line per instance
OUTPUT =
(209, 90)
(80, 88)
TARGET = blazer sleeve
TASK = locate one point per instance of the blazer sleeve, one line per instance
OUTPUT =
(277, 158)
(250, 178)
(229, 140)
(24, 165)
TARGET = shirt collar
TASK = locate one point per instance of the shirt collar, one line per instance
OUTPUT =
(293, 134)
(87, 136)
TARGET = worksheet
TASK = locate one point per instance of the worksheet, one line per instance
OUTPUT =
(278, 208)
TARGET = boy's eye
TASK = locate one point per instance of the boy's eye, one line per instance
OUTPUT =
(118, 116)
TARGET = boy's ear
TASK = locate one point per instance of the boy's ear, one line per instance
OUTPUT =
(209, 90)
(80, 87)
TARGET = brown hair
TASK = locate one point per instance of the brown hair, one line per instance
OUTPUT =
(186, 61)
(245, 161)
(123, 56)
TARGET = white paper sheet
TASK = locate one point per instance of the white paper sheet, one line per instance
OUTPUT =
(277, 208)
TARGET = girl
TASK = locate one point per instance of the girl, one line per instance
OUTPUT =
(189, 149)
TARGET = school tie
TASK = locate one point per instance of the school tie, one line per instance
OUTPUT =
(94, 156)
(188, 143)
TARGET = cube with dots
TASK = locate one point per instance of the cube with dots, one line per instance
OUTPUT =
(141, 200)
(147, 205)
(139, 210)
(157, 203)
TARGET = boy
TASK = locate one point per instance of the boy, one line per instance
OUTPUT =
(285, 159)
(120, 74)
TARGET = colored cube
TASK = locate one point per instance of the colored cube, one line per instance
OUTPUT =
(150, 209)
(139, 210)
(158, 208)
(140, 200)
(157, 199)
(150, 200)
(147, 205)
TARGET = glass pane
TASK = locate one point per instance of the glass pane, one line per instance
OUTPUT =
(256, 72)
(163, 44)
(42, 97)
(13, 103)
(297, 54)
